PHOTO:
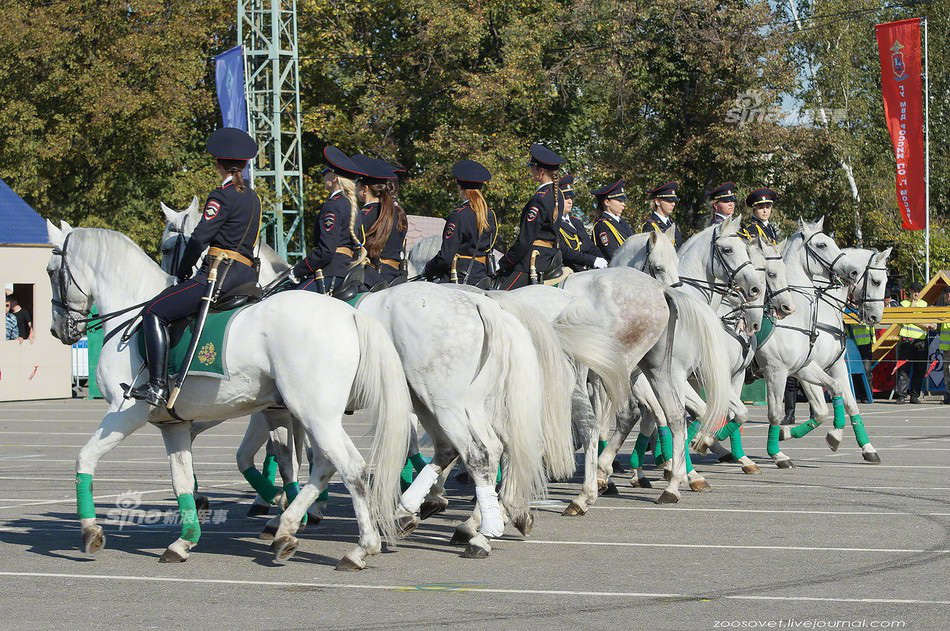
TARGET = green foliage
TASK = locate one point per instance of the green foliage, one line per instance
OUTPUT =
(104, 106)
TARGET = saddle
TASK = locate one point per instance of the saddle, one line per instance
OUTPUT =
(236, 297)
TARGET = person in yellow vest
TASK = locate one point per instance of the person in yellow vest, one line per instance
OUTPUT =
(945, 349)
(912, 350)
(863, 338)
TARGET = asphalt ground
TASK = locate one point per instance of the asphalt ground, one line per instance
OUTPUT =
(833, 543)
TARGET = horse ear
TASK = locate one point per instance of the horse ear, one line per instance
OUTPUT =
(65, 227)
(670, 233)
(820, 224)
(193, 208)
(56, 236)
(653, 237)
(780, 246)
(882, 256)
(170, 215)
(731, 225)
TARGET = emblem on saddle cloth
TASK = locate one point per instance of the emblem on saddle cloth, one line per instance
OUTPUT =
(211, 358)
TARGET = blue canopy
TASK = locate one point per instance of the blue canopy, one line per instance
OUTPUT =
(19, 223)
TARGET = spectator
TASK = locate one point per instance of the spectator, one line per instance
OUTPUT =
(912, 350)
(23, 320)
(12, 330)
(945, 349)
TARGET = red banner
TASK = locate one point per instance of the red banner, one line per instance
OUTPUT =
(898, 45)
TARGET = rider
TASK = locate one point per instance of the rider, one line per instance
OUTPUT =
(538, 229)
(760, 201)
(577, 247)
(383, 222)
(470, 230)
(723, 201)
(336, 244)
(611, 229)
(663, 200)
(230, 225)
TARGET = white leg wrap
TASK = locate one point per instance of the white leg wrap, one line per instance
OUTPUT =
(412, 499)
(492, 523)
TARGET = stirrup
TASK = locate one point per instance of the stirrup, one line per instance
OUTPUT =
(154, 394)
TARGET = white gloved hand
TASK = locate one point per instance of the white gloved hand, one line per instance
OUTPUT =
(292, 278)
(600, 263)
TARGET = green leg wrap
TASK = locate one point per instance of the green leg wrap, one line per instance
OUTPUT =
(665, 443)
(498, 477)
(727, 430)
(601, 445)
(85, 507)
(735, 442)
(691, 431)
(405, 478)
(838, 404)
(639, 450)
(419, 462)
(689, 463)
(292, 489)
(771, 445)
(190, 528)
(800, 430)
(859, 432)
(270, 468)
(324, 496)
(264, 488)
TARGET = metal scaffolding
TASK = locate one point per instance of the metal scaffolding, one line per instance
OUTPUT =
(268, 31)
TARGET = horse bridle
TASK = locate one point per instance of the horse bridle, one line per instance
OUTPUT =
(67, 279)
(716, 256)
(810, 251)
(180, 242)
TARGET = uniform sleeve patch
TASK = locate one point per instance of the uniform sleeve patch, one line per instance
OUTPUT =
(532, 214)
(603, 238)
(449, 231)
(212, 208)
(329, 220)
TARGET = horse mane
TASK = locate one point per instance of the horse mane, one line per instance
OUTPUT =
(104, 249)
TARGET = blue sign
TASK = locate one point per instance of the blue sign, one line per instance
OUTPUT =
(229, 77)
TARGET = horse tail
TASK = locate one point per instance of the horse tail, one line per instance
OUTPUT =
(556, 374)
(699, 324)
(587, 342)
(380, 387)
(515, 413)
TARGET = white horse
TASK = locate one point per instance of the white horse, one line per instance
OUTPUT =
(477, 387)
(810, 257)
(285, 345)
(868, 296)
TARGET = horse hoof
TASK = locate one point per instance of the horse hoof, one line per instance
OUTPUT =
(872, 457)
(832, 441)
(170, 556)
(428, 509)
(727, 459)
(269, 532)
(202, 503)
(785, 464)
(751, 469)
(474, 552)
(667, 475)
(641, 483)
(347, 564)
(257, 510)
(406, 525)
(574, 510)
(611, 489)
(524, 523)
(601, 485)
(667, 498)
(700, 486)
(460, 538)
(617, 467)
(284, 548)
(93, 540)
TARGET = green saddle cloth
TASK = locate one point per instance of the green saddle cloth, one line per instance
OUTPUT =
(209, 359)
(765, 331)
(357, 299)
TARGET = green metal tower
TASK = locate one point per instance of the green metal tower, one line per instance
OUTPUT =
(268, 31)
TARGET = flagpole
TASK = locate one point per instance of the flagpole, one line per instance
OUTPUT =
(926, 154)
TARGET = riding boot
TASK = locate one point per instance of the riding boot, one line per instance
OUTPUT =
(155, 391)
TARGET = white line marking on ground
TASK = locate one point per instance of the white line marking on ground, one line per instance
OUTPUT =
(472, 589)
(731, 547)
(773, 511)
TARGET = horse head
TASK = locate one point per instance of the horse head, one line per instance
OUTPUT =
(179, 224)
(662, 260)
(868, 292)
(822, 256)
(776, 276)
(66, 281)
(730, 260)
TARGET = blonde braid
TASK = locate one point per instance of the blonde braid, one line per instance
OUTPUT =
(348, 187)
